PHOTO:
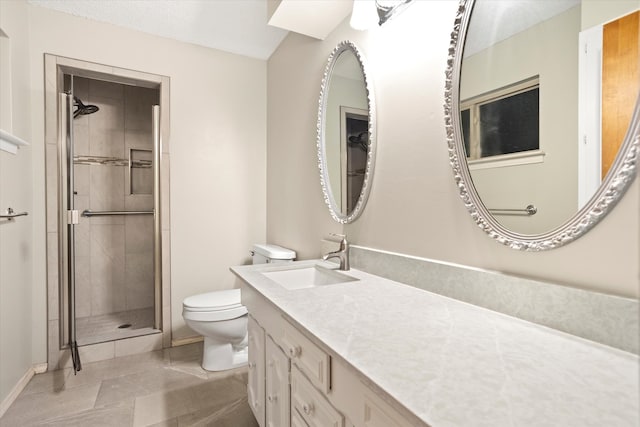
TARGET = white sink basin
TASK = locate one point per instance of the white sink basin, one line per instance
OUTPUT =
(307, 277)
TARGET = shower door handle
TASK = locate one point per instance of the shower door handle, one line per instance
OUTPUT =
(157, 209)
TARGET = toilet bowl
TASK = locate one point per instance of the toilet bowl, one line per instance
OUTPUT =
(222, 320)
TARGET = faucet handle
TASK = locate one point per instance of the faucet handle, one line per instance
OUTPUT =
(339, 236)
(342, 239)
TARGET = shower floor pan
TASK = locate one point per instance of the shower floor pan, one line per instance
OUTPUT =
(115, 326)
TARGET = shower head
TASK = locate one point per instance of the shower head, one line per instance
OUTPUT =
(361, 140)
(83, 109)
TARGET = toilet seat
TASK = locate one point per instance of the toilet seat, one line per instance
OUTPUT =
(214, 306)
(217, 300)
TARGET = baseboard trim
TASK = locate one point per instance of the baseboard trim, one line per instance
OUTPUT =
(40, 368)
(17, 389)
(184, 341)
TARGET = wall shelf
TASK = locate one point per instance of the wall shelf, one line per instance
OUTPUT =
(10, 143)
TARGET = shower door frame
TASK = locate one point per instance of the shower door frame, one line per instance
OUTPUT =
(57, 217)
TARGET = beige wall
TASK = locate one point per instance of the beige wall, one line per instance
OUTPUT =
(217, 145)
(414, 206)
(296, 214)
(17, 334)
(598, 12)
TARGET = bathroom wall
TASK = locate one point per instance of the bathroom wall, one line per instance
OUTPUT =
(217, 144)
(414, 207)
(18, 330)
(114, 255)
(600, 12)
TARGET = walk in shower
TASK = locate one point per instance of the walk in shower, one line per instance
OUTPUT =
(109, 230)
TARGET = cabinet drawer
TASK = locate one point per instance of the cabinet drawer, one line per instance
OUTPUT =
(310, 358)
(311, 405)
(378, 413)
(297, 420)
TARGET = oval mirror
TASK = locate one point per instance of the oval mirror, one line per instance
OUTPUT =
(542, 115)
(346, 133)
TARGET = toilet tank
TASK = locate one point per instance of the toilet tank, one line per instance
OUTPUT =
(271, 253)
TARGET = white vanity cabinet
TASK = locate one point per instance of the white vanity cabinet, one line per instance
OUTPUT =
(288, 379)
(277, 385)
(256, 377)
(294, 381)
(311, 404)
(342, 371)
(268, 389)
(311, 359)
(296, 420)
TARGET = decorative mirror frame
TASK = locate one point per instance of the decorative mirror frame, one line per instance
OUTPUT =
(611, 190)
(329, 198)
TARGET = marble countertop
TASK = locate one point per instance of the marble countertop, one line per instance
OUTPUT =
(455, 364)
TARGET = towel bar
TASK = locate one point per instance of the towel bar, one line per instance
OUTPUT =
(529, 210)
(90, 213)
(11, 214)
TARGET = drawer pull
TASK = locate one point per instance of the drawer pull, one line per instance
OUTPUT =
(252, 365)
(272, 398)
(295, 351)
(307, 408)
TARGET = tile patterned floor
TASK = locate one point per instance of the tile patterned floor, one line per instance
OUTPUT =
(161, 388)
(95, 329)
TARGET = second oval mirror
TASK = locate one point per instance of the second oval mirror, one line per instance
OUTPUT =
(543, 129)
(346, 133)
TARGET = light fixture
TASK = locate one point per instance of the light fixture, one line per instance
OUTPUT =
(366, 13)
(389, 8)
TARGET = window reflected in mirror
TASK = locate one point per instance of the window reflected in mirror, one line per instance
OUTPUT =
(504, 121)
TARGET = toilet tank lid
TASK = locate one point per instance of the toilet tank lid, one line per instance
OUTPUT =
(216, 300)
(274, 251)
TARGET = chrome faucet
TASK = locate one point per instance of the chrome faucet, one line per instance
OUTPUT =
(342, 254)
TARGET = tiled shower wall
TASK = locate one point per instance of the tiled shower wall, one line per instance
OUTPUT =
(114, 254)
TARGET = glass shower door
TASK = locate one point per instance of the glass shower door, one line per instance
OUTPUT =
(71, 221)
(110, 283)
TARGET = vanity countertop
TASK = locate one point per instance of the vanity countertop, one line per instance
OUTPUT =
(455, 364)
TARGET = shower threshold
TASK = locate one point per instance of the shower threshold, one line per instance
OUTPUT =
(115, 326)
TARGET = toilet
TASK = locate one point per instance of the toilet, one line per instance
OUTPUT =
(221, 318)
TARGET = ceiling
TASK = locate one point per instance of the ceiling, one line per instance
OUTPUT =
(496, 20)
(251, 28)
(255, 28)
(237, 26)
